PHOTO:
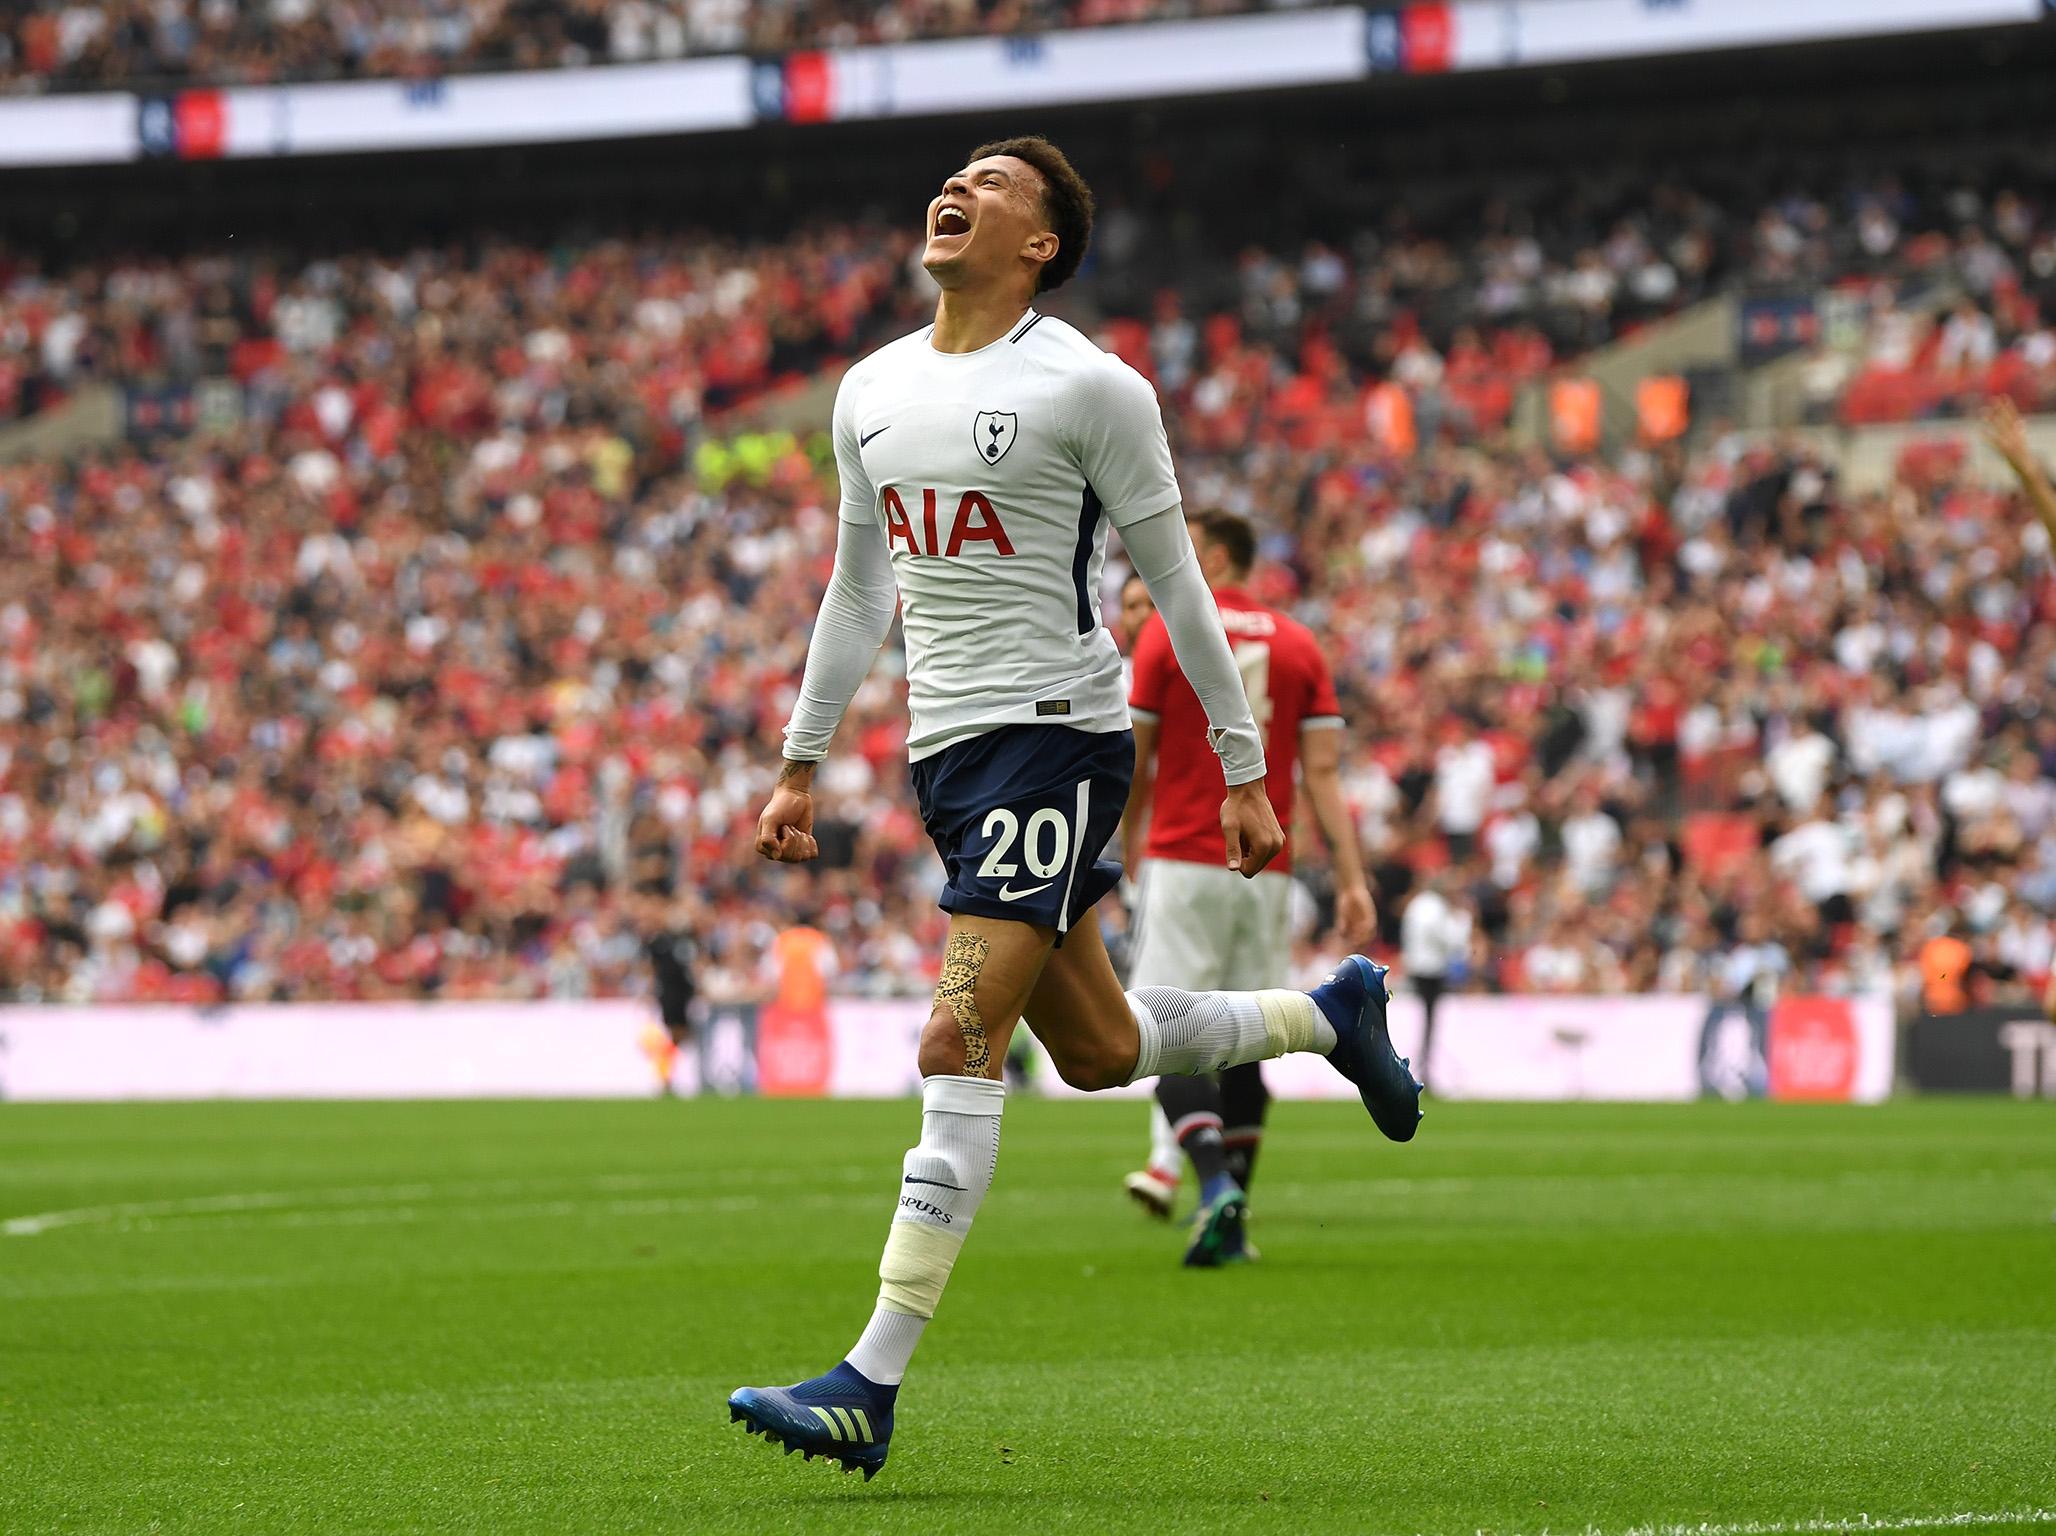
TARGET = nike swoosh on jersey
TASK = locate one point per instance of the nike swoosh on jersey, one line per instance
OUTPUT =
(869, 435)
(1008, 893)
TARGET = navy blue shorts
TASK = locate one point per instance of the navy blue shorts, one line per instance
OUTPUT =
(1021, 816)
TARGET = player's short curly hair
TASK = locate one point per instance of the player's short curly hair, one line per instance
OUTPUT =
(1066, 202)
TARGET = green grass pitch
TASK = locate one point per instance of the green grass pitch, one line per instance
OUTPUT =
(525, 1317)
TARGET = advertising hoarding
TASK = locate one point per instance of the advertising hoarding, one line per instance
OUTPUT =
(1985, 1050)
(1630, 1049)
(1206, 57)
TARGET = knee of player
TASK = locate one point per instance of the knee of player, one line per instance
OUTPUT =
(942, 1044)
(1093, 1069)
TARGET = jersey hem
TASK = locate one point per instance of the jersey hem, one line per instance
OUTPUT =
(1092, 727)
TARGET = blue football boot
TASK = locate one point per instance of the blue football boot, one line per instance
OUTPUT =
(1217, 1237)
(841, 1415)
(1353, 999)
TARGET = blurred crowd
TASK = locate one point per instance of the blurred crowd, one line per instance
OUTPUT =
(1924, 322)
(89, 44)
(353, 353)
(1709, 722)
(451, 658)
(1921, 303)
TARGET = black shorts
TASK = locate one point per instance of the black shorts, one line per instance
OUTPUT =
(1021, 816)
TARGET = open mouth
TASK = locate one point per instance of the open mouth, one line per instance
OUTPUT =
(951, 220)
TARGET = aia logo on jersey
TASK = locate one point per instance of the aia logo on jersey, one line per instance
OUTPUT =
(973, 523)
(994, 433)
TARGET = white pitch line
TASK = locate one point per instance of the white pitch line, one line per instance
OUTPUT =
(31, 1226)
(1853, 1526)
(359, 1205)
(537, 1210)
(403, 1204)
(142, 1216)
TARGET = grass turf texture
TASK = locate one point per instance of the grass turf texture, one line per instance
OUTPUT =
(525, 1317)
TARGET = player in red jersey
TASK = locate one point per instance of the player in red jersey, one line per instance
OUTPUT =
(1232, 932)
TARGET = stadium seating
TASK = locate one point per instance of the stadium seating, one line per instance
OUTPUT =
(452, 659)
(83, 44)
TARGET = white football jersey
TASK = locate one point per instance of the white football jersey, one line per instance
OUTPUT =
(993, 475)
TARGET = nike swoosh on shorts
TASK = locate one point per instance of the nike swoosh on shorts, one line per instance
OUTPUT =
(1008, 893)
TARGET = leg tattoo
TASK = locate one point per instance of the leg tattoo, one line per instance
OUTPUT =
(961, 963)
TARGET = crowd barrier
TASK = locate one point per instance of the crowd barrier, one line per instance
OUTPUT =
(1631, 1049)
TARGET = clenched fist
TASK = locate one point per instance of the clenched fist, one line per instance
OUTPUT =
(785, 832)
(1251, 828)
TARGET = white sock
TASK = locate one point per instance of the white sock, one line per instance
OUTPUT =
(1186, 1032)
(1165, 1155)
(886, 1345)
(942, 1181)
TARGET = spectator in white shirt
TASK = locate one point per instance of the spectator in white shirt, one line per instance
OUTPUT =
(1463, 789)
(1817, 855)
(1591, 844)
(1969, 339)
(1434, 945)
(1511, 842)
(1556, 964)
(1799, 767)
(2030, 797)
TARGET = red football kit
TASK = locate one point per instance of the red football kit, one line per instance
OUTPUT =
(1289, 685)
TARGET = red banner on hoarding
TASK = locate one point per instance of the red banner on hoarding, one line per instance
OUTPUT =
(795, 1052)
(1427, 38)
(809, 88)
(1814, 1051)
(202, 121)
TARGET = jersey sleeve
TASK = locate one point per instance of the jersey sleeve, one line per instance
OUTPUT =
(1161, 551)
(1155, 666)
(855, 615)
(1116, 430)
(859, 496)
